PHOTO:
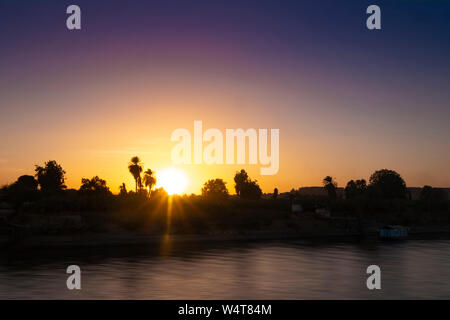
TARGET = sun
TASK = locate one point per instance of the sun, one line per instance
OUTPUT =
(173, 180)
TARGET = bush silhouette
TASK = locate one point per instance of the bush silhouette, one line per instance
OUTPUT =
(27, 182)
(355, 188)
(275, 194)
(94, 186)
(215, 188)
(123, 189)
(23, 190)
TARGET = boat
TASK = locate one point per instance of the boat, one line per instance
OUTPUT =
(393, 232)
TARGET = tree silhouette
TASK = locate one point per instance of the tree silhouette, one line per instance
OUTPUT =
(215, 188)
(386, 183)
(94, 186)
(330, 185)
(149, 179)
(50, 177)
(240, 179)
(355, 188)
(135, 168)
(245, 187)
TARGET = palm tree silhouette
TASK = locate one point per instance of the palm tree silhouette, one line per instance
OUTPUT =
(135, 168)
(149, 179)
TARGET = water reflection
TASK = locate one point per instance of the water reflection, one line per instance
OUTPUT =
(263, 270)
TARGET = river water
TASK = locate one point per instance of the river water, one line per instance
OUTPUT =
(255, 270)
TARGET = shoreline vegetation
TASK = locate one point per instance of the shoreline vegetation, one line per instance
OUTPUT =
(39, 211)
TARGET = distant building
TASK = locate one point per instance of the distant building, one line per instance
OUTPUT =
(320, 191)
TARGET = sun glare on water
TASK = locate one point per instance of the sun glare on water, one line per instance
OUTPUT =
(173, 180)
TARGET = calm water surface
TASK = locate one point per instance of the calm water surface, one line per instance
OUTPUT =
(262, 270)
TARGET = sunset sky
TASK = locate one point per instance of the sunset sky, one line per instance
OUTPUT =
(347, 100)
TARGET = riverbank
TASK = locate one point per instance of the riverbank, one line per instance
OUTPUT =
(113, 240)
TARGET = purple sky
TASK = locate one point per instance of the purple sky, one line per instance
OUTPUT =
(347, 100)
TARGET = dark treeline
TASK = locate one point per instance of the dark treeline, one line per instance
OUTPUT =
(385, 198)
(45, 194)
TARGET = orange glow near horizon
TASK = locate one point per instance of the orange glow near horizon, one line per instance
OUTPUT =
(318, 136)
